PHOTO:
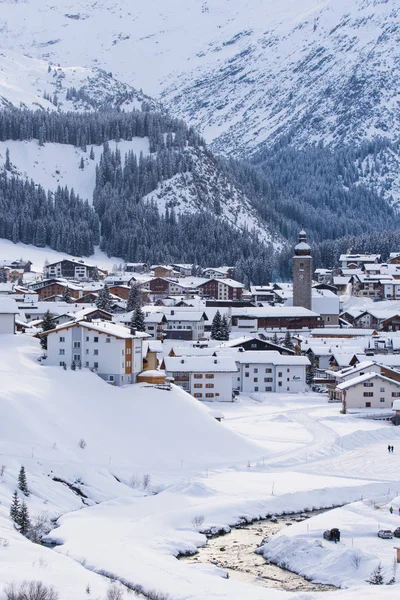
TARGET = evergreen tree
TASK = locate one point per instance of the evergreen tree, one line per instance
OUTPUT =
(104, 299)
(7, 164)
(73, 366)
(275, 339)
(311, 370)
(23, 519)
(15, 507)
(91, 155)
(137, 322)
(216, 326)
(3, 276)
(82, 164)
(48, 323)
(376, 577)
(287, 342)
(66, 296)
(22, 482)
(135, 299)
(224, 329)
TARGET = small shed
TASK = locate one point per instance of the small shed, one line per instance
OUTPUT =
(152, 376)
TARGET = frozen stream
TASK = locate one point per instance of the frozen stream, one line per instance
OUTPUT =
(235, 553)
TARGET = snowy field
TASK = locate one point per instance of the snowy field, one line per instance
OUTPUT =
(271, 454)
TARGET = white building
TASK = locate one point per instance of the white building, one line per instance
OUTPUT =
(110, 350)
(204, 377)
(269, 371)
(8, 310)
(371, 390)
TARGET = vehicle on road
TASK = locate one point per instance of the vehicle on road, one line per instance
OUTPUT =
(385, 534)
(332, 535)
(396, 532)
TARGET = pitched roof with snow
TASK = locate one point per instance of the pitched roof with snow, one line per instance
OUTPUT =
(363, 378)
(200, 364)
(270, 357)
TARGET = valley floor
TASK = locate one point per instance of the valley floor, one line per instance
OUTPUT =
(271, 454)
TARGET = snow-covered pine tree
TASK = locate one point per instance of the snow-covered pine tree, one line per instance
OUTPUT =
(7, 164)
(287, 342)
(216, 326)
(224, 329)
(22, 482)
(376, 577)
(23, 519)
(104, 300)
(66, 296)
(3, 276)
(137, 321)
(82, 164)
(15, 507)
(135, 299)
(48, 323)
(310, 371)
(275, 339)
(91, 155)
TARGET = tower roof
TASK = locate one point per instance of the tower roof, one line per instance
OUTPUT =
(302, 248)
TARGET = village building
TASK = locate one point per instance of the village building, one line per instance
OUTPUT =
(162, 270)
(221, 289)
(71, 269)
(260, 371)
(256, 343)
(8, 312)
(274, 318)
(206, 378)
(370, 390)
(185, 325)
(112, 351)
(218, 272)
(262, 293)
(356, 261)
(139, 267)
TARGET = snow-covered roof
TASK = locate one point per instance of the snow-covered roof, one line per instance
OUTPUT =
(359, 257)
(118, 331)
(185, 316)
(270, 357)
(191, 351)
(363, 378)
(200, 364)
(352, 332)
(273, 311)
(338, 280)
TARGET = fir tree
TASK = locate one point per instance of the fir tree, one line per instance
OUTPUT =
(275, 339)
(376, 577)
(15, 507)
(22, 482)
(48, 323)
(91, 155)
(135, 299)
(310, 371)
(66, 296)
(82, 164)
(23, 519)
(3, 276)
(287, 342)
(73, 366)
(216, 326)
(104, 299)
(224, 329)
(7, 164)
(137, 322)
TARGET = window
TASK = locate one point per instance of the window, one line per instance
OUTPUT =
(95, 352)
(287, 370)
(246, 374)
(87, 351)
(268, 370)
(198, 385)
(198, 395)
(111, 378)
(368, 405)
(368, 394)
(86, 364)
(61, 351)
(96, 365)
(209, 385)
(288, 379)
(255, 370)
(267, 379)
(279, 374)
(395, 394)
(87, 338)
(246, 366)
(96, 339)
(128, 363)
(381, 399)
(198, 375)
(209, 395)
(288, 389)
(209, 375)
(122, 351)
(77, 344)
(62, 364)
(128, 351)
(217, 394)
(256, 389)
(77, 357)
(123, 365)
(382, 389)
(62, 339)
(268, 389)
(368, 384)
(108, 340)
(279, 383)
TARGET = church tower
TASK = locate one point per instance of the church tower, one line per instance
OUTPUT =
(302, 273)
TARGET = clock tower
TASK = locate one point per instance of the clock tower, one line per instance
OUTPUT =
(302, 273)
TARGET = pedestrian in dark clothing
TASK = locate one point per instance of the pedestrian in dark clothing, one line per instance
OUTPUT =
(389, 448)
(392, 448)
(391, 510)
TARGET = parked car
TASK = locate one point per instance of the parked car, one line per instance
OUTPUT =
(396, 532)
(332, 535)
(385, 534)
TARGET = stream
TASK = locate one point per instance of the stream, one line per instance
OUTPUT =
(235, 553)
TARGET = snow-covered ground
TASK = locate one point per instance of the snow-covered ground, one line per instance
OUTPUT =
(271, 454)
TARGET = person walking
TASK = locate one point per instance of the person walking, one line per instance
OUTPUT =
(392, 448)
(389, 448)
(391, 510)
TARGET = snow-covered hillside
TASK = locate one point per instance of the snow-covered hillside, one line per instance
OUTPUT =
(26, 82)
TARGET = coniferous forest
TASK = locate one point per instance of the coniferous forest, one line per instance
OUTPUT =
(316, 188)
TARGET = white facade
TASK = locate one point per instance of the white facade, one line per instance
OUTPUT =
(8, 310)
(269, 371)
(371, 390)
(107, 349)
(206, 378)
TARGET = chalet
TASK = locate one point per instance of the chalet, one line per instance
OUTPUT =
(218, 272)
(20, 265)
(370, 390)
(256, 343)
(260, 371)
(71, 269)
(356, 261)
(274, 318)
(8, 310)
(341, 283)
(121, 291)
(221, 289)
(392, 323)
(185, 325)
(183, 269)
(162, 270)
(51, 288)
(323, 275)
(262, 293)
(373, 319)
(394, 258)
(157, 287)
(358, 369)
(206, 378)
(136, 267)
(112, 351)
(126, 280)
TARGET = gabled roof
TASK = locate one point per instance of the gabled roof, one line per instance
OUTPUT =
(363, 378)
(270, 357)
(200, 364)
(118, 331)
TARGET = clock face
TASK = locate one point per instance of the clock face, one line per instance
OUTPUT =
(301, 276)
